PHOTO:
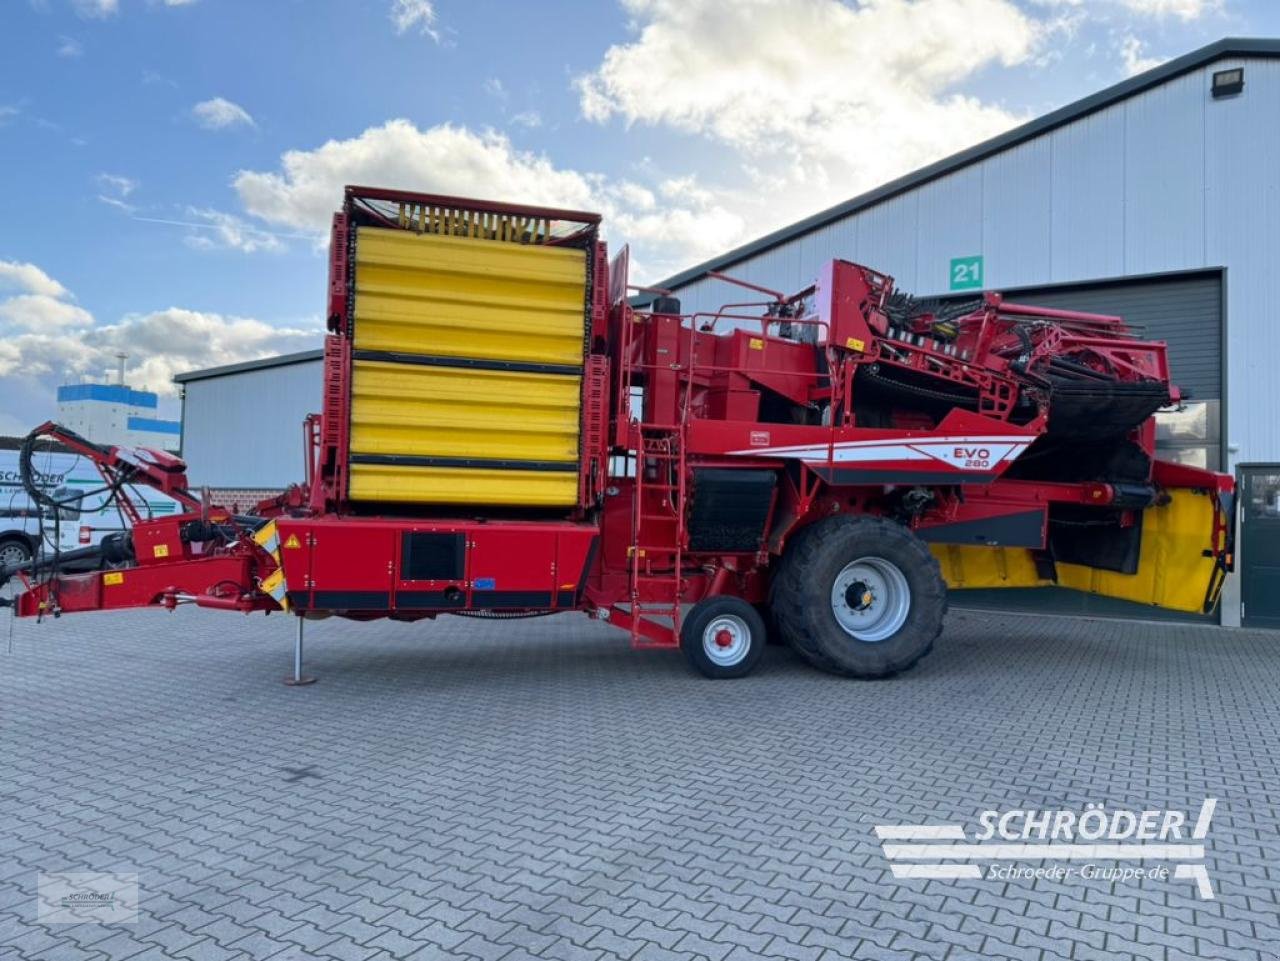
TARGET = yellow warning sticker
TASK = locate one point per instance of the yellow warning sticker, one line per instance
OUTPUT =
(853, 343)
(161, 550)
(112, 577)
(756, 343)
(293, 541)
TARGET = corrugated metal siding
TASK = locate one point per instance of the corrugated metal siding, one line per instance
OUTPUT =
(1016, 195)
(1242, 230)
(245, 429)
(1164, 178)
(952, 209)
(1087, 216)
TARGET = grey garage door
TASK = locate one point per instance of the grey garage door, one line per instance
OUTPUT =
(1185, 311)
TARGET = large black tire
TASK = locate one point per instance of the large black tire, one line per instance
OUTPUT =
(742, 633)
(892, 596)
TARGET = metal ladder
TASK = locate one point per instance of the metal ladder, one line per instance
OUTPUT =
(660, 447)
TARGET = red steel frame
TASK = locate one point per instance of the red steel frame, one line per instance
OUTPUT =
(623, 553)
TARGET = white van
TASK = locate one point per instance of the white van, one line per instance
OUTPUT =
(84, 521)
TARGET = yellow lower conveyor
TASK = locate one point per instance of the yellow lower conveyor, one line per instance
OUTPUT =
(1173, 572)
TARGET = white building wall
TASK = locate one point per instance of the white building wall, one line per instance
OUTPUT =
(114, 421)
(245, 429)
(1167, 180)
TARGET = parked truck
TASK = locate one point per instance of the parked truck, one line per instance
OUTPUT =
(505, 433)
(84, 516)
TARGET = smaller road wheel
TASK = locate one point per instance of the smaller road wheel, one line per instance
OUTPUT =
(723, 637)
(14, 552)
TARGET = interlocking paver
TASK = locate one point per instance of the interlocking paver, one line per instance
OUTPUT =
(502, 792)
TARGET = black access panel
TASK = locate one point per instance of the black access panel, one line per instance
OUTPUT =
(1259, 491)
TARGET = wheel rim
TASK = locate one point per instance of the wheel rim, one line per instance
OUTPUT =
(13, 554)
(870, 599)
(726, 640)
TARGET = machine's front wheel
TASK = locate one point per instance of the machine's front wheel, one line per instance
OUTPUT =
(860, 596)
(723, 637)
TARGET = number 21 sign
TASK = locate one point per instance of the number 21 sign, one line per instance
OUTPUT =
(966, 273)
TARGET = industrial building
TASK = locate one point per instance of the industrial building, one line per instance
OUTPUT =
(1156, 199)
(117, 414)
(242, 423)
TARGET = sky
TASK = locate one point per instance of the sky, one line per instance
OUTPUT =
(170, 166)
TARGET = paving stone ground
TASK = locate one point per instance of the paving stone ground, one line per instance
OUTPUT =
(469, 789)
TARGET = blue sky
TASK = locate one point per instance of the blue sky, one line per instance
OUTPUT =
(170, 164)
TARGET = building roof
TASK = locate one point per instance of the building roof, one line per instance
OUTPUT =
(1227, 47)
(283, 360)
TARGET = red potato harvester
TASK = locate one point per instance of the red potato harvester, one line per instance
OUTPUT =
(503, 434)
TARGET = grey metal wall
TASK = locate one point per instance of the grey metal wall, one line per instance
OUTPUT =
(1168, 180)
(245, 429)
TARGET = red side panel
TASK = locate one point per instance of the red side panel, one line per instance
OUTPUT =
(381, 566)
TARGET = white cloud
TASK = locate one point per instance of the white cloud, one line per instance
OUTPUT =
(410, 14)
(819, 100)
(118, 184)
(1133, 54)
(47, 340)
(167, 342)
(96, 8)
(41, 312)
(843, 97)
(178, 3)
(527, 118)
(220, 113)
(116, 187)
(159, 344)
(41, 307)
(223, 230)
(29, 279)
(116, 202)
(1185, 10)
(150, 77)
(446, 159)
(69, 47)
(7, 112)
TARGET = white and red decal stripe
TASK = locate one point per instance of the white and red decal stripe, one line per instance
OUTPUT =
(963, 453)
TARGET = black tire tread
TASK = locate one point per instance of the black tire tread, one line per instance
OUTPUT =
(788, 594)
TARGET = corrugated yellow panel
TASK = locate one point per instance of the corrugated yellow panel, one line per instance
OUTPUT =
(469, 297)
(1172, 571)
(428, 411)
(464, 485)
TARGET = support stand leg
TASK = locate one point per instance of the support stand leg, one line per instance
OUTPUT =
(298, 679)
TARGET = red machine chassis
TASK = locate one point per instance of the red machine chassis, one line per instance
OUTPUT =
(631, 551)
